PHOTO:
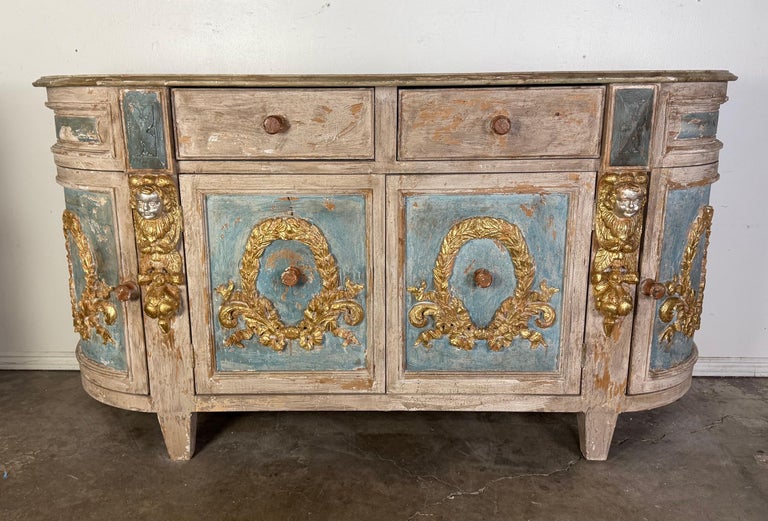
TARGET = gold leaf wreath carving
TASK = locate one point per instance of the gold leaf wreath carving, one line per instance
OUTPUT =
(618, 231)
(510, 320)
(683, 306)
(158, 232)
(259, 314)
(93, 301)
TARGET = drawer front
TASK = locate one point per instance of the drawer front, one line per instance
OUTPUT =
(492, 285)
(274, 124)
(287, 302)
(500, 123)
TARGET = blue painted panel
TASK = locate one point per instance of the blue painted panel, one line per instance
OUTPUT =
(698, 125)
(77, 129)
(682, 208)
(542, 220)
(342, 220)
(632, 115)
(144, 128)
(95, 211)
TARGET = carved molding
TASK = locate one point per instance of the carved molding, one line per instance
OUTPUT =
(618, 231)
(259, 314)
(94, 300)
(510, 320)
(682, 308)
(158, 223)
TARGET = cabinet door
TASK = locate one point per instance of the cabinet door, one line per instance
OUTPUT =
(673, 265)
(101, 254)
(283, 282)
(489, 287)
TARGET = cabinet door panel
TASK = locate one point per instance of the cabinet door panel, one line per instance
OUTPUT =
(111, 347)
(284, 300)
(491, 292)
(663, 350)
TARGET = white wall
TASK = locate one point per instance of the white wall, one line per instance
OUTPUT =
(345, 36)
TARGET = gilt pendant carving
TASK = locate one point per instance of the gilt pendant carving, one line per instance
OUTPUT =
(448, 313)
(158, 224)
(259, 314)
(682, 308)
(94, 305)
(618, 231)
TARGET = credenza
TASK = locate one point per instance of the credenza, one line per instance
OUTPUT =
(481, 242)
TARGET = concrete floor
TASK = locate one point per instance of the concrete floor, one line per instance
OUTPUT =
(65, 456)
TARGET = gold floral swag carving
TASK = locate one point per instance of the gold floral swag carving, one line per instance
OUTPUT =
(618, 231)
(93, 302)
(684, 304)
(158, 224)
(510, 320)
(259, 314)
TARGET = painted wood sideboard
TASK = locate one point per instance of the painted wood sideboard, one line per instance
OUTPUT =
(488, 242)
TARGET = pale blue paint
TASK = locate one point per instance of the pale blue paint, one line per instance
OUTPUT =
(632, 114)
(698, 125)
(682, 208)
(145, 130)
(428, 220)
(95, 211)
(84, 129)
(341, 218)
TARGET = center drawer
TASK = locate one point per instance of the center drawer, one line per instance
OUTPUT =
(274, 123)
(500, 123)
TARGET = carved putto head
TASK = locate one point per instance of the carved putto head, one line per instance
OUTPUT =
(153, 197)
(628, 194)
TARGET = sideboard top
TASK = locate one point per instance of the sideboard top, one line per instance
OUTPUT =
(410, 80)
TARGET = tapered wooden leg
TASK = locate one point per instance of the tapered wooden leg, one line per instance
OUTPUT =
(179, 432)
(595, 433)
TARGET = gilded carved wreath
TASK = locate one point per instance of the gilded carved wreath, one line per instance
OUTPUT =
(682, 308)
(510, 320)
(94, 299)
(259, 314)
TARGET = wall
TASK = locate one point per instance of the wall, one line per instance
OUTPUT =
(345, 36)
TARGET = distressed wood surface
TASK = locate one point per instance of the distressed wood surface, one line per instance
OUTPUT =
(565, 378)
(479, 79)
(370, 378)
(392, 138)
(229, 124)
(88, 128)
(456, 123)
(645, 341)
(115, 186)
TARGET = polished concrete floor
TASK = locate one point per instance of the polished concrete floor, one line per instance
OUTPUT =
(65, 456)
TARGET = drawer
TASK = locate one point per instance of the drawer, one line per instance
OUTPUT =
(500, 123)
(274, 123)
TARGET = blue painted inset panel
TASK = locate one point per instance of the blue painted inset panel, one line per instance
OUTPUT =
(683, 206)
(145, 134)
(632, 115)
(95, 212)
(77, 129)
(342, 220)
(698, 125)
(542, 221)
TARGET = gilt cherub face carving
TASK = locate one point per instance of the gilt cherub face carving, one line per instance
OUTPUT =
(629, 200)
(149, 205)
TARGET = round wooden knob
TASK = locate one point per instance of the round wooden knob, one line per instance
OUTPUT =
(128, 290)
(291, 276)
(653, 289)
(483, 278)
(501, 125)
(274, 124)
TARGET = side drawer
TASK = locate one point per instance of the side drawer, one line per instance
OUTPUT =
(273, 123)
(500, 123)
